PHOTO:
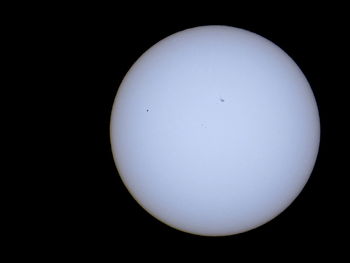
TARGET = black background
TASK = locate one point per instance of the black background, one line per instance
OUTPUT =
(95, 207)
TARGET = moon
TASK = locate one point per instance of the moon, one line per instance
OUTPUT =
(214, 130)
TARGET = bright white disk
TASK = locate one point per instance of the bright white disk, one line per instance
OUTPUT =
(215, 130)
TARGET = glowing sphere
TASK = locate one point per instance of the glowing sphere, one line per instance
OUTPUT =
(215, 130)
